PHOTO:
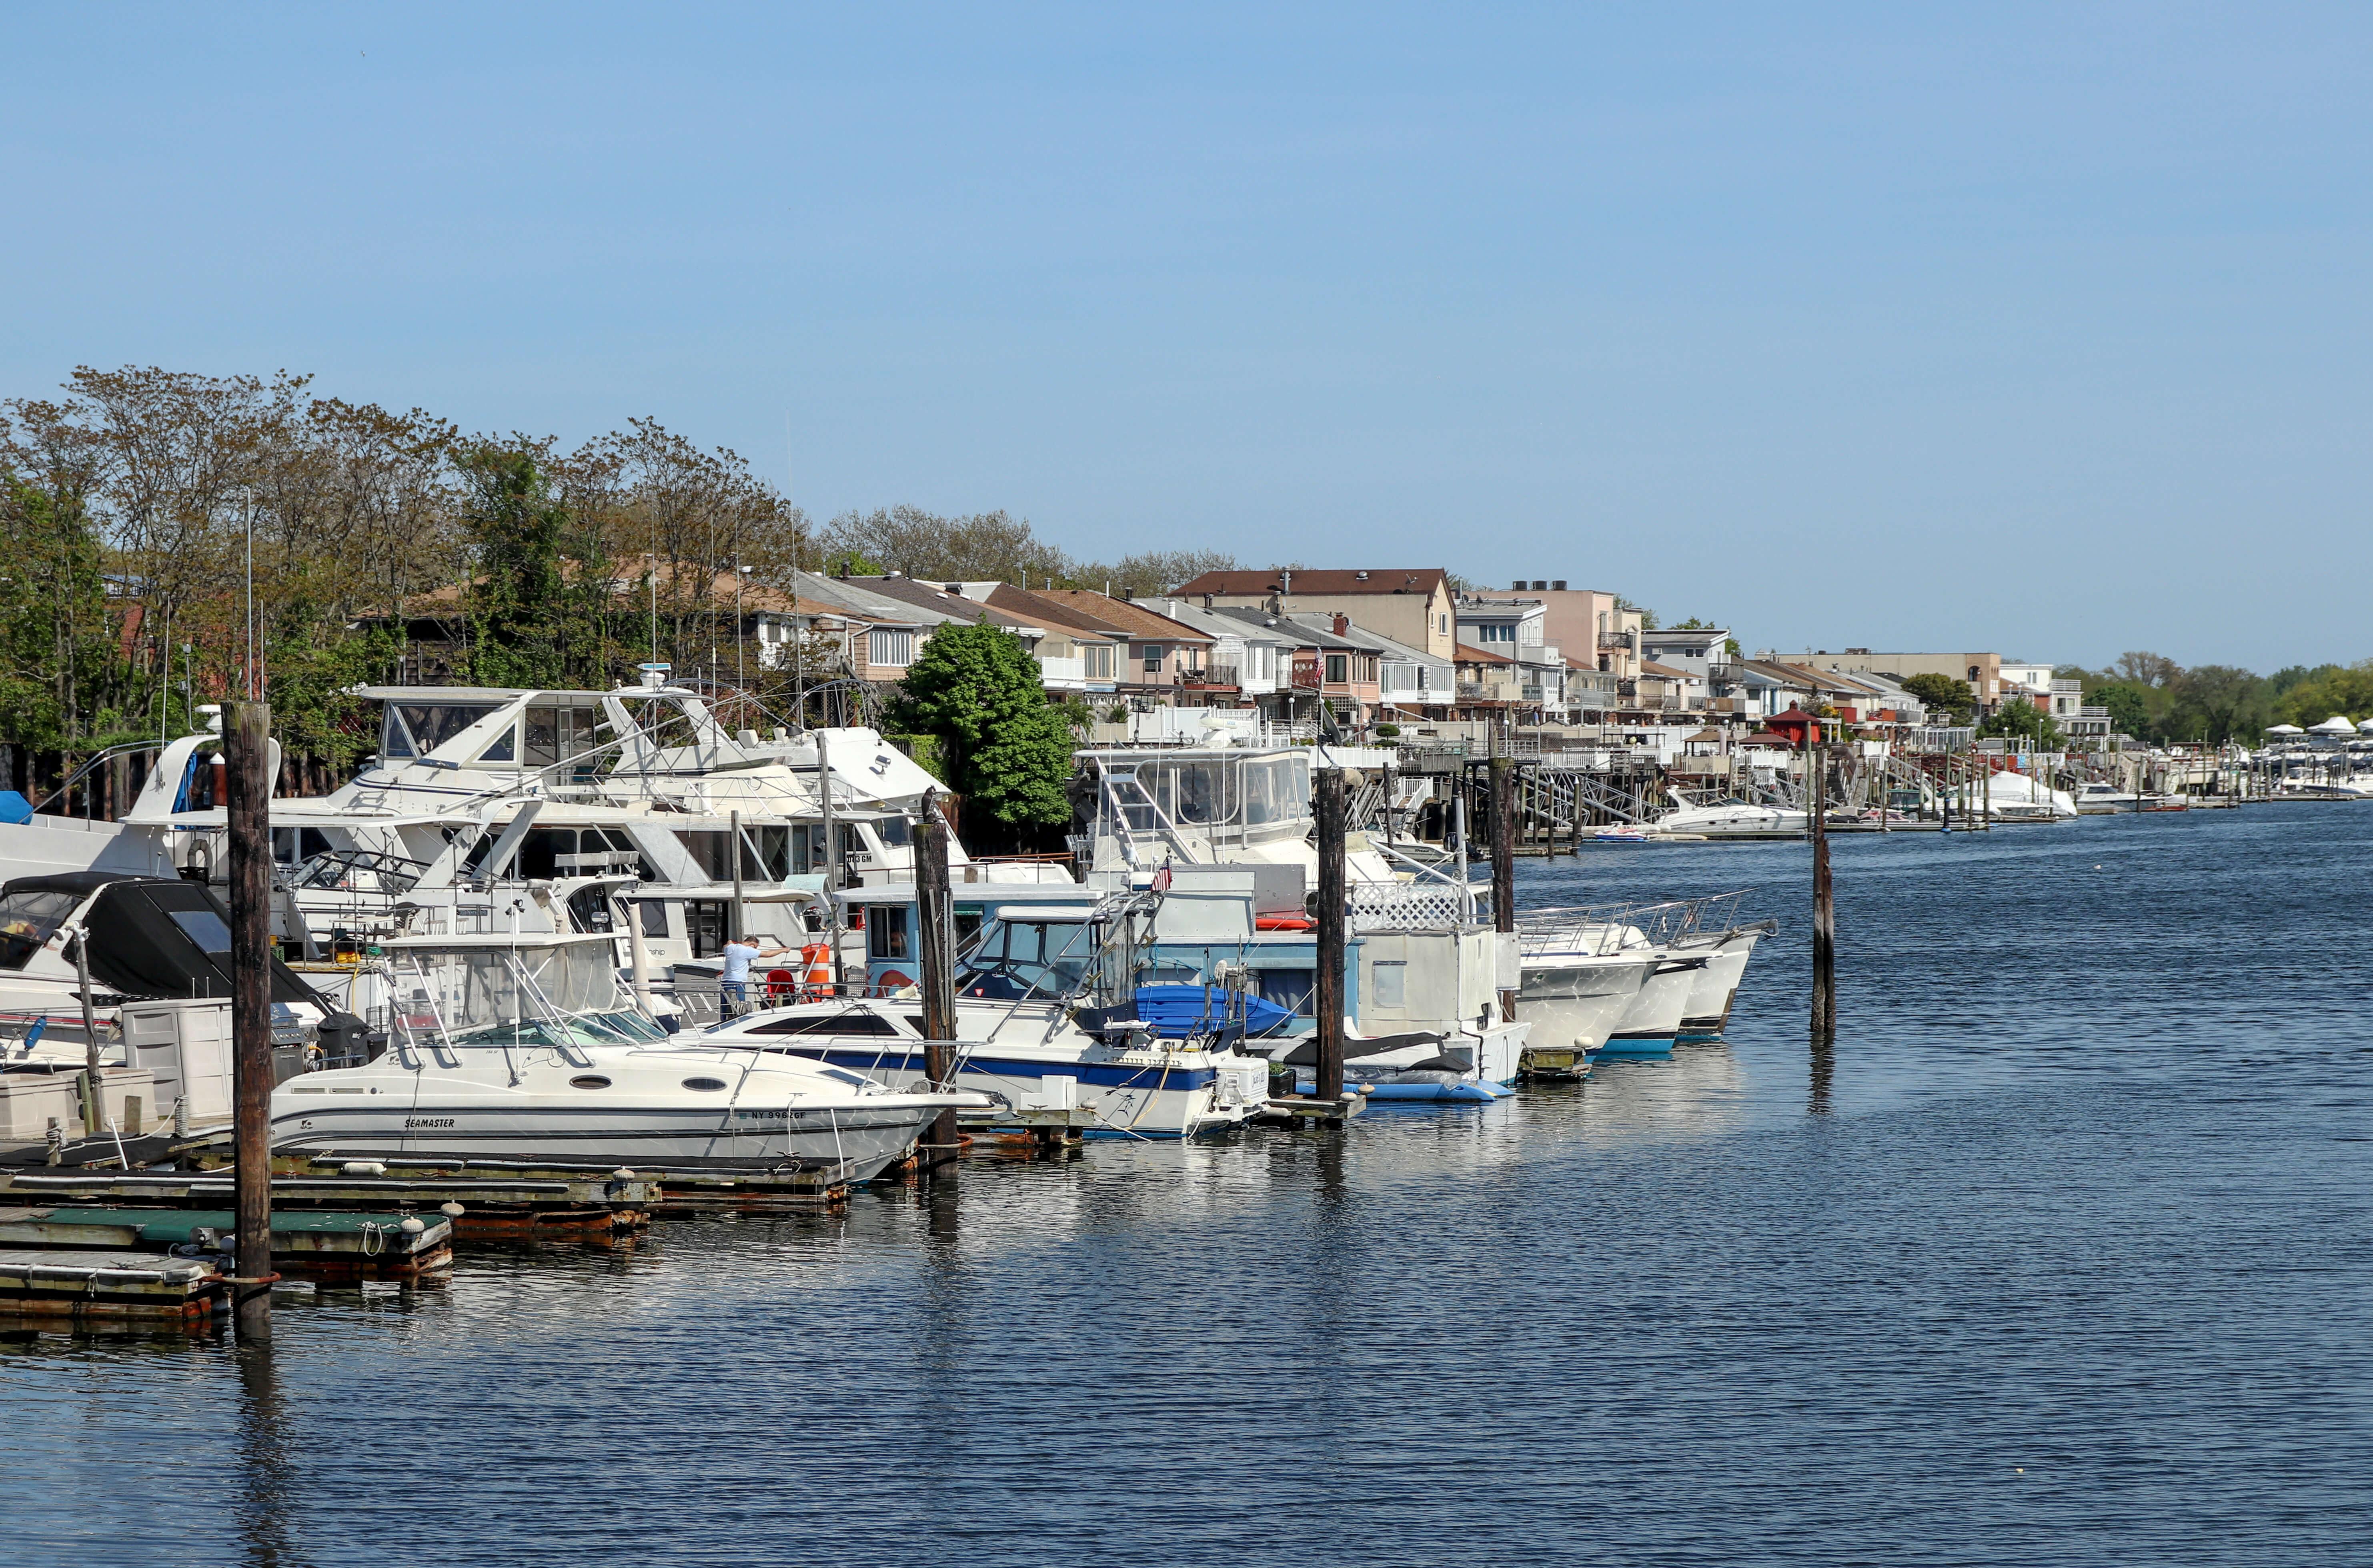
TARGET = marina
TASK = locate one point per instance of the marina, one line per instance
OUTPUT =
(1724, 1166)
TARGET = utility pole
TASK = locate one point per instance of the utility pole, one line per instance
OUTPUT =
(246, 737)
(1327, 787)
(935, 948)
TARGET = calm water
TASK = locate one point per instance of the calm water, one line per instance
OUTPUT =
(2061, 1257)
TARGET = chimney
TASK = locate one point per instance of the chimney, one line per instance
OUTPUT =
(1209, 599)
(1342, 625)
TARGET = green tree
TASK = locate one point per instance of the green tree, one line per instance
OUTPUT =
(2217, 702)
(515, 606)
(1942, 693)
(2129, 705)
(2329, 689)
(1003, 745)
(2024, 721)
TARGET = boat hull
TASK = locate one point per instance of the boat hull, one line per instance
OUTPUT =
(859, 1144)
(1142, 1094)
(1575, 1002)
(1651, 1023)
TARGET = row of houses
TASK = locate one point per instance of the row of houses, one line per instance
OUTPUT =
(1371, 646)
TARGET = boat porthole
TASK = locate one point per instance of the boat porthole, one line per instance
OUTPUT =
(589, 1080)
(705, 1084)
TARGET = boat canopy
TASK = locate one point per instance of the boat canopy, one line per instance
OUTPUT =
(149, 936)
(2285, 730)
(2336, 725)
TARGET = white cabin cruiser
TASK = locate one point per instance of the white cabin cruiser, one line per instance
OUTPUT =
(526, 1049)
(1046, 1019)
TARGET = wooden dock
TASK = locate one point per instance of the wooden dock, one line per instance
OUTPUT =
(306, 1246)
(97, 1287)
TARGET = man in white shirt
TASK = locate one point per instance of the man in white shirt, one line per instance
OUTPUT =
(733, 982)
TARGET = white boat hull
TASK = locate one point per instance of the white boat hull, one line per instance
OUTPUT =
(1575, 1001)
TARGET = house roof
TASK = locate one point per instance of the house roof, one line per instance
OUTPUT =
(1288, 630)
(1326, 583)
(930, 596)
(1477, 655)
(1230, 623)
(1044, 611)
(1650, 667)
(1133, 619)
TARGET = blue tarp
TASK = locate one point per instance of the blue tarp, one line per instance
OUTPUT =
(1177, 1012)
(14, 807)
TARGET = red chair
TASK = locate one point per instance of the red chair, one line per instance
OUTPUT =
(782, 987)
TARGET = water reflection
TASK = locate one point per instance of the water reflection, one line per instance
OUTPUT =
(1824, 1066)
(266, 1473)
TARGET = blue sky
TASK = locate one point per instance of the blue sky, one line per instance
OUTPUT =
(2041, 329)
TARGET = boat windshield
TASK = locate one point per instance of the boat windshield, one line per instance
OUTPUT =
(468, 993)
(27, 920)
(415, 729)
(1021, 958)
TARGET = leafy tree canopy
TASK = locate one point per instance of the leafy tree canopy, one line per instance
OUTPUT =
(1002, 744)
(1943, 694)
(2024, 720)
(2327, 690)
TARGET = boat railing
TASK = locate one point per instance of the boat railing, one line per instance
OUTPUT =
(1601, 930)
(1410, 906)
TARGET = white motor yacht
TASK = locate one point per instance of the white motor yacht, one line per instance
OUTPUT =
(527, 1049)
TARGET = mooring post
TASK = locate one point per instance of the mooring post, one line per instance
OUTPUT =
(1328, 789)
(248, 735)
(935, 949)
(1503, 861)
(1825, 978)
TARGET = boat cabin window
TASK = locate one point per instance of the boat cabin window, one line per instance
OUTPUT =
(1293, 990)
(857, 1021)
(588, 910)
(557, 734)
(653, 913)
(504, 747)
(766, 851)
(295, 846)
(893, 832)
(415, 729)
(27, 920)
(1027, 958)
(885, 934)
(705, 922)
(208, 929)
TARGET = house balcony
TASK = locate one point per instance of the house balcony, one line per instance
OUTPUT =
(1210, 677)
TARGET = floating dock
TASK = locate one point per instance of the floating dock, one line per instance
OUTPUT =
(308, 1246)
(101, 1287)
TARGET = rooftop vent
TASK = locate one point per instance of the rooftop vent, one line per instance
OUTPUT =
(1538, 583)
(1518, 584)
(1558, 586)
(1358, 577)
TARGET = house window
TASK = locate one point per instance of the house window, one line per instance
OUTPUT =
(892, 648)
(1153, 654)
(1337, 668)
(1496, 634)
(1098, 659)
(1444, 621)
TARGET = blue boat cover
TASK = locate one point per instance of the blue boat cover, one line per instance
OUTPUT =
(15, 808)
(1177, 1012)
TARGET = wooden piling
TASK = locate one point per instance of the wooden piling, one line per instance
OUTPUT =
(1503, 860)
(1327, 787)
(248, 744)
(1824, 979)
(935, 950)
